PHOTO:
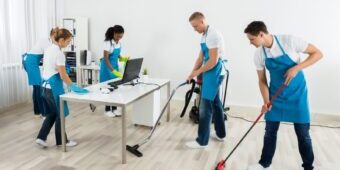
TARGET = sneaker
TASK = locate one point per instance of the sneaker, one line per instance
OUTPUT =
(110, 114)
(118, 112)
(217, 138)
(37, 116)
(70, 143)
(258, 167)
(195, 145)
(41, 143)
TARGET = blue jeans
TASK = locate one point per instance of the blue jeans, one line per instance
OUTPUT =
(209, 109)
(304, 142)
(52, 117)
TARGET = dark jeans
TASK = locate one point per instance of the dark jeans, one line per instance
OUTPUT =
(52, 117)
(112, 108)
(208, 110)
(37, 101)
(304, 142)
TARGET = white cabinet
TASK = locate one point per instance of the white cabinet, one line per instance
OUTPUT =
(146, 111)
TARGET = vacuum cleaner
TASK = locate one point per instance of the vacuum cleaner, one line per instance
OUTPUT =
(221, 164)
(134, 149)
(194, 112)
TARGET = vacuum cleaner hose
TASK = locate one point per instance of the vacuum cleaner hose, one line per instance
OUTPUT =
(134, 149)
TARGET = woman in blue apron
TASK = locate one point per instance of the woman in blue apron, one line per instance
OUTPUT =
(292, 104)
(54, 75)
(31, 61)
(210, 64)
(109, 68)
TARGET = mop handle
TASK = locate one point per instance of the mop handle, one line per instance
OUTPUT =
(257, 119)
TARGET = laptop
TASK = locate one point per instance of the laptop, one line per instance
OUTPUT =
(131, 71)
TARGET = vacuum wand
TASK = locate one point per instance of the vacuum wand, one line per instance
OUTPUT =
(221, 164)
(134, 149)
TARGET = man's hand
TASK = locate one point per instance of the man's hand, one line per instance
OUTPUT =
(290, 74)
(265, 108)
(193, 74)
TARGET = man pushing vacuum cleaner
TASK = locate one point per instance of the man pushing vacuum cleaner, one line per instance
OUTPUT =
(209, 63)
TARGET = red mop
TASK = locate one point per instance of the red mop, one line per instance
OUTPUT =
(221, 164)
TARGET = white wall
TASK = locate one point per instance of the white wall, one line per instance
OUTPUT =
(160, 32)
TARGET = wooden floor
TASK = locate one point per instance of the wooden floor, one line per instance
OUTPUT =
(99, 146)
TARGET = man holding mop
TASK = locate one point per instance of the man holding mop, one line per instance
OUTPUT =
(280, 55)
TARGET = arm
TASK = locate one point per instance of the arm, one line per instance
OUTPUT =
(107, 61)
(71, 86)
(263, 85)
(314, 56)
(264, 90)
(211, 62)
(200, 67)
(198, 64)
(199, 61)
(64, 76)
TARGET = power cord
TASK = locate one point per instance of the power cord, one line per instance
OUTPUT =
(315, 125)
(154, 84)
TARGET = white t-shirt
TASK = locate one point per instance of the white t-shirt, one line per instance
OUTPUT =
(214, 39)
(110, 46)
(40, 46)
(291, 45)
(53, 57)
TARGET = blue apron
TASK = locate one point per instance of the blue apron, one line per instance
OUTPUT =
(105, 72)
(211, 81)
(292, 104)
(31, 64)
(57, 89)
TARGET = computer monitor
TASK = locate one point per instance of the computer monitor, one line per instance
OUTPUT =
(131, 71)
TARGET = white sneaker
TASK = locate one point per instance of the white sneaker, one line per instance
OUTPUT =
(217, 138)
(70, 143)
(258, 167)
(195, 145)
(41, 143)
(118, 112)
(110, 114)
(38, 116)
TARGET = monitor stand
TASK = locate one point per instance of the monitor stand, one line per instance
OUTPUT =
(131, 83)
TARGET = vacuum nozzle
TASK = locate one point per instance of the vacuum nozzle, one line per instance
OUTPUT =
(134, 150)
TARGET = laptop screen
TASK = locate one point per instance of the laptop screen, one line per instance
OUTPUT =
(132, 69)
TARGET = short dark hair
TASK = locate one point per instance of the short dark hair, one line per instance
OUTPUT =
(255, 27)
(112, 30)
(196, 15)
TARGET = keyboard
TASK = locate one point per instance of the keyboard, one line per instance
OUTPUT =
(116, 83)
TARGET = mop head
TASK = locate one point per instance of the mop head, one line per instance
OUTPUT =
(220, 165)
(134, 150)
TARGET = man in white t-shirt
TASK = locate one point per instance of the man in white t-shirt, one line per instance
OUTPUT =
(209, 63)
(280, 55)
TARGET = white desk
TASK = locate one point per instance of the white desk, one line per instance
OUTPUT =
(121, 97)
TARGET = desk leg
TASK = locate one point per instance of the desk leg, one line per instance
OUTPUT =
(168, 109)
(124, 135)
(62, 124)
